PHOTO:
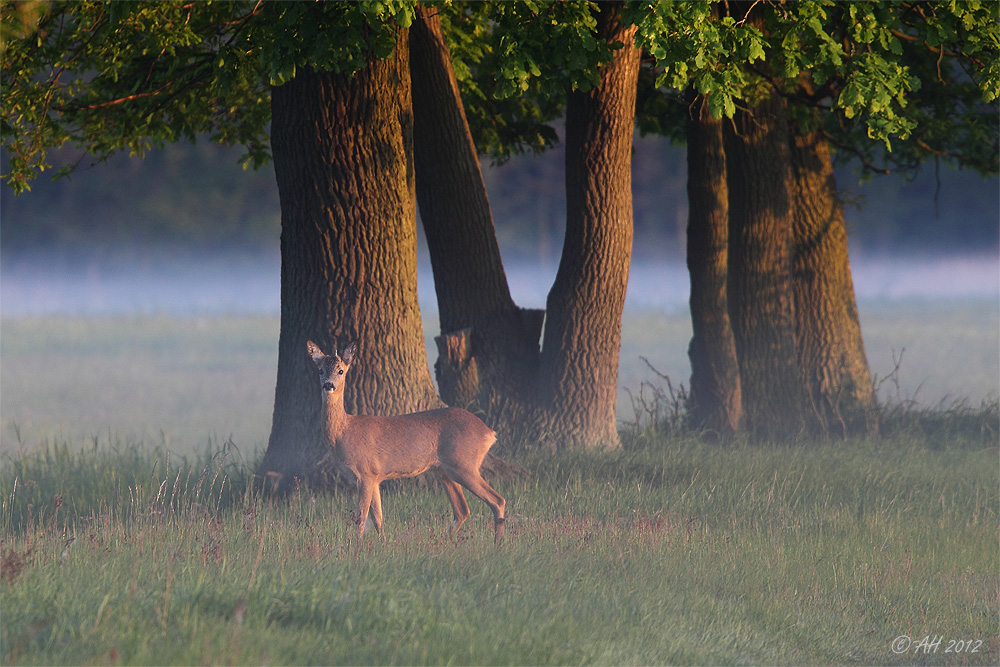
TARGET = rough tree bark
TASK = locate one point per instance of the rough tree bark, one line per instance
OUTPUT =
(833, 369)
(566, 397)
(714, 404)
(454, 207)
(342, 159)
(488, 346)
(579, 358)
(761, 302)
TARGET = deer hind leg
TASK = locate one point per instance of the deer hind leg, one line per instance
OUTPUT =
(460, 508)
(474, 482)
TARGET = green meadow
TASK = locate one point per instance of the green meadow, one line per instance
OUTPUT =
(131, 531)
(671, 551)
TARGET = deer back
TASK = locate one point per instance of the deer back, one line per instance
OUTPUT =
(407, 445)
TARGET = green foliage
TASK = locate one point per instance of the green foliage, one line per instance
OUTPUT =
(515, 62)
(923, 72)
(128, 76)
(335, 37)
(112, 77)
(504, 127)
(131, 76)
(864, 66)
(19, 19)
(555, 36)
(953, 112)
(693, 46)
(923, 76)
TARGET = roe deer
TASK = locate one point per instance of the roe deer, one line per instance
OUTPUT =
(451, 441)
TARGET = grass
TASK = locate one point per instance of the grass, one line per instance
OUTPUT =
(176, 382)
(146, 543)
(671, 551)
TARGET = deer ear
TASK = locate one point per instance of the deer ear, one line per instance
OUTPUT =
(347, 356)
(314, 351)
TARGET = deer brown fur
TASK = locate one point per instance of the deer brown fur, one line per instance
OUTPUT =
(450, 441)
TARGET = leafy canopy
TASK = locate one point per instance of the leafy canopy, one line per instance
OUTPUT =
(926, 73)
(892, 81)
(132, 75)
(109, 77)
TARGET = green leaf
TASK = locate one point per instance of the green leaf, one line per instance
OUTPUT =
(729, 106)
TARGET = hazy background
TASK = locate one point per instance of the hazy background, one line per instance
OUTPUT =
(186, 229)
(186, 237)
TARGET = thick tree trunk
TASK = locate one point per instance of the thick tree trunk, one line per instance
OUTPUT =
(342, 159)
(453, 204)
(489, 345)
(831, 354)
(714, 404)
(579, 359)
(761, 303)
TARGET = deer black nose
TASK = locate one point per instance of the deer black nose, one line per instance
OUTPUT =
(328, 386)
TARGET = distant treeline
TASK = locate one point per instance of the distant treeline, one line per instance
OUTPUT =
(198, 196)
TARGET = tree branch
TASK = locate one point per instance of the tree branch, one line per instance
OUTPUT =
(856, 152)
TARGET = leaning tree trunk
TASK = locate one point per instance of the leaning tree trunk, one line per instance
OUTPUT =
(714, 404)
(342, 160)
(833, 368)
(761, 303)
(579, 360)
(488, 348)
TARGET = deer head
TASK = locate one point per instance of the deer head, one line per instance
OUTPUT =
(332, 368)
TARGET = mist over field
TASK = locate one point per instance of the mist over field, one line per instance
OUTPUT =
(35, 283)
(155, 329)
(185, 242)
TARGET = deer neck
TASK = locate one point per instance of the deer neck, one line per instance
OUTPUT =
(336, 419)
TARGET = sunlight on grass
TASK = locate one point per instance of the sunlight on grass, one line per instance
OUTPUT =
(673, 550)
(131, 532)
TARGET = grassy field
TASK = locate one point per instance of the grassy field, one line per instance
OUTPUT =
(672, 551)
(130, 532)
(185, 382)
(176, 382)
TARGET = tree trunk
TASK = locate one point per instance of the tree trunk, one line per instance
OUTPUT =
(831, 354)
(482, 329)
(342, 159)
(579, 359)
(453, 204)
(761, 303)
(714, 403)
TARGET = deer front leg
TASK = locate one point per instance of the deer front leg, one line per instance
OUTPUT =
(367, 488)
(376, 509)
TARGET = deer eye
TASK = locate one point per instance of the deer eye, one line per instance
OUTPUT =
(340, 372)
